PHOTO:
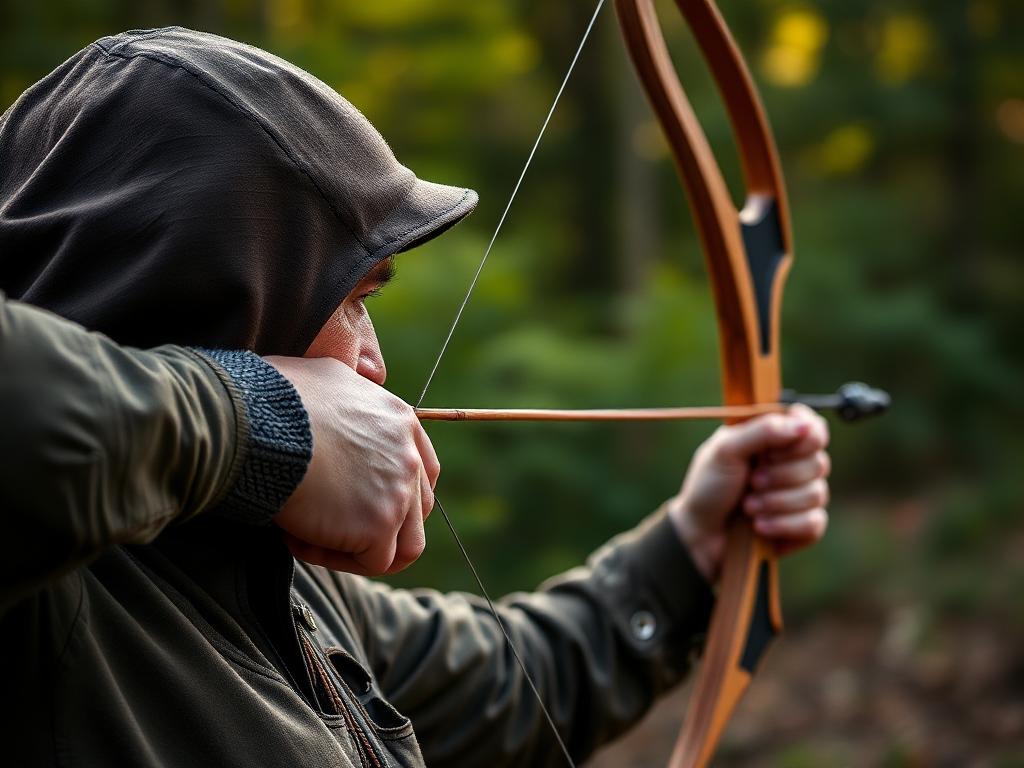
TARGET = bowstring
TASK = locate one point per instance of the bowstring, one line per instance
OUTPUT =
(508, 637)
(508, 205)
(444, 348)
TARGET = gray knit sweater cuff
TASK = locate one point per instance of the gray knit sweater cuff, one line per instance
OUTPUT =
(280, 443)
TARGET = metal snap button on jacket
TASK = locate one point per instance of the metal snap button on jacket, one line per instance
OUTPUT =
(643, 625)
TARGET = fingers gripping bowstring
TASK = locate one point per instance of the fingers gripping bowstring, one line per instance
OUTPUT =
(444, 348)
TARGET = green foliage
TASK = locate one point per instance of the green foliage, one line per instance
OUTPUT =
(899, 756)
(809, 756)
(1010, 760)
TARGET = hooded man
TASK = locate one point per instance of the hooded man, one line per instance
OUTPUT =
(172, 187)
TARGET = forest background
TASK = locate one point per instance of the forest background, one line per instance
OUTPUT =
(901, 130)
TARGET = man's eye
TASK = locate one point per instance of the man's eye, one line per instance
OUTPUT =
(371, 294)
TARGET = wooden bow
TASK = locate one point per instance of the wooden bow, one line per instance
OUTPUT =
(748, 254)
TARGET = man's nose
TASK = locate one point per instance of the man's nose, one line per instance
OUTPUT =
(371, 364)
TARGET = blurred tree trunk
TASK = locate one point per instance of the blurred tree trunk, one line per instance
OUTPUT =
(963, 159)
(593, 158)
(587, 114)
(640, 226)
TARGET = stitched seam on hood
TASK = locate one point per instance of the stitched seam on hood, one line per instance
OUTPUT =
(425, 225)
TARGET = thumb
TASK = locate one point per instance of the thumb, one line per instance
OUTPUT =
(744, 441)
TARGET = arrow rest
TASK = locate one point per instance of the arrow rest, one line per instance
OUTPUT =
(853, 401)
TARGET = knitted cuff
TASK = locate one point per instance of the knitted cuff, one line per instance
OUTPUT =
(280, 443)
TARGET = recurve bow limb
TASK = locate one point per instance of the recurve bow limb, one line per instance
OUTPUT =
(748, 254)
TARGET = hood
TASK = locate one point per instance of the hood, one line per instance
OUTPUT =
(171, 186)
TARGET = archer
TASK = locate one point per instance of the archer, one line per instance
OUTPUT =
(186, 562)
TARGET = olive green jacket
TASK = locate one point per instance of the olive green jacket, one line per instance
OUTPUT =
(139, 627)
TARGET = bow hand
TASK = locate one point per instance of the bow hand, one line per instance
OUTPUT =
(773, 468)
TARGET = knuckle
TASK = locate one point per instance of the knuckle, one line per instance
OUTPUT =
(719, 436)
(819, 523)
(824, 464)
(410, 462)
(820, 493)
(403, 497)
(389, 514)
(410, 416)
(411, 551)
(823, 426)
(408, 551)
(802, 410)
(402, 412)
(787, 472)
(708, 451)
(433, 469)
(377, 560)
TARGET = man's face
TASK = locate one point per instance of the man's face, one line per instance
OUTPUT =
(348, 335)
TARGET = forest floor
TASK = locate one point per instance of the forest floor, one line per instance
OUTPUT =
(857, 691)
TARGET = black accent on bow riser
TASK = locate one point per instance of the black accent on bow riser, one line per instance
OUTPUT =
(760, 632)
(762, 240)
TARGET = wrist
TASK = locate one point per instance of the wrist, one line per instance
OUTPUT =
(705, 547)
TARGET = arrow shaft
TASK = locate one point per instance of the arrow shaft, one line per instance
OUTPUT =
(600, 414)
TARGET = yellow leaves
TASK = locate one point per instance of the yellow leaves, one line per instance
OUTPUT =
(793, 57)
(382, 14)
(393, 13)
(372, 86)
(386, 64)
(844, 151)
(648, 141)
(905, 45)
(287, 16)
(514, 52)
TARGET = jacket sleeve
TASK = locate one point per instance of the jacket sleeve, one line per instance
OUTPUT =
(602, 642)
(103, 445)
